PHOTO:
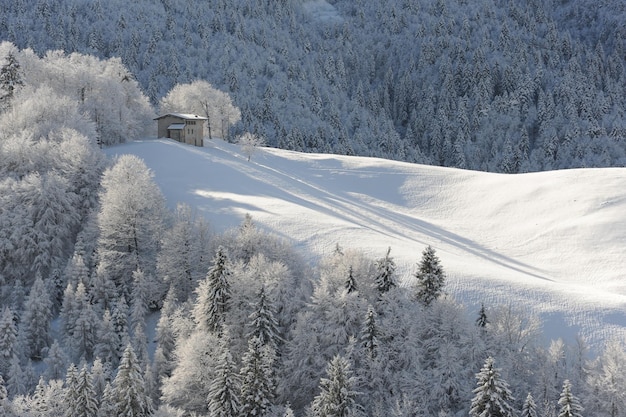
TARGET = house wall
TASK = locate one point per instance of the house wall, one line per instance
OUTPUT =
(164, 122)
(192, 134)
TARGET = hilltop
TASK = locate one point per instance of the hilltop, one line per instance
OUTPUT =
(549, 242)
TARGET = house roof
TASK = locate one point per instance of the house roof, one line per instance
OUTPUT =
(184, 116)
(176, 126)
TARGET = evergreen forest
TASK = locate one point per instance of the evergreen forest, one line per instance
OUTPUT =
(114, 305)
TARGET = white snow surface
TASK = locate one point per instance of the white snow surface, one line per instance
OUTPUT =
(322, 11)
(552, 243)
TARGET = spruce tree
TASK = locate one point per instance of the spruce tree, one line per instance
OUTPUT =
(129, 392)
(529, 409)
(35, 322)
(83, 337)
(350, 284)
(10, 79)
(369, 334)
(56, 362)
(5, 406)
(257, 386)
(225, 388)
(337, 397)
(569, 403)
(213, 295)
(8, 339)
(430, 278)
(493, 397)
(385, 273)
(16, 378)
(70, 393)
(263, 324)
(482, 320)
(86, 402)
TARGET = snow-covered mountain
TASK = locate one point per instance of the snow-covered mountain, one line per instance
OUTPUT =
(550, 242)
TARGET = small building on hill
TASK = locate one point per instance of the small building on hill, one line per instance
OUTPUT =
(184, 128)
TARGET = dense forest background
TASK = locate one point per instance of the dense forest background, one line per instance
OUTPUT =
(494, 85)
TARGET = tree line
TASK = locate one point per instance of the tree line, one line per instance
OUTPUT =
(493, 85)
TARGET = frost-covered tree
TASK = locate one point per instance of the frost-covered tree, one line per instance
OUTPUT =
(10, 79)
(385, 273)
(337, 397)
(430, 278)
(180, 262)
(107, 346)
(8, 339)
(350, 284)
(225, 388)
(370, 333)
(86, 401)
(80, 397)
(83, 336)
(213, 293)
(5, 405)
(200, 97)
(250, 143)
(196, 357)
(70, 394)
(35, 322)
(482, 319)
(262, 322)
(569, 404)
(492, 397)
(16, 378)
(129, 393)
(257, 379)
(130, 221)
(56, 362)
(529, 408)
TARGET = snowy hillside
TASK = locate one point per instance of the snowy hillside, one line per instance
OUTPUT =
(552, 242)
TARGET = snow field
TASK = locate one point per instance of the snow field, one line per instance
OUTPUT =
(549, 242)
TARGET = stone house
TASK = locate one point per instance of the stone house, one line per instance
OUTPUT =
(184, 128)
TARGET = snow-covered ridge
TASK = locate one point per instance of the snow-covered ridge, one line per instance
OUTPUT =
(552, 242)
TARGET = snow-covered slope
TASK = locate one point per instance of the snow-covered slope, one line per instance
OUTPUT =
(550, 242)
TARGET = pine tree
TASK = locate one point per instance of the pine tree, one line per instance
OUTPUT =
(107, 406)
(8, 340)
(263, 324)
(493, 397)
(83, 338)
(99, 376)
(107, 346)
(529, 409)
(223, 392)
(337, 397)
(5, 409)
(10, 78)
(86, 403)
(482, 320)
(129, 393)
(385, 270)
(369, 334)
(213, 295)
(569, 403)
(56, 362)
(257, 387)
(16, 378)
(70, 393)
(35, 322)
(430, 278)
(350, 284)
